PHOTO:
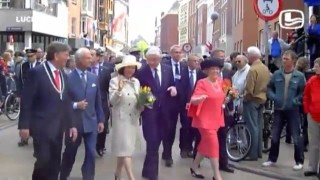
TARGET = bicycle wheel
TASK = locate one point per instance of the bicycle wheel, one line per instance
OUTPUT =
(270, 11)
(264, 11)
(12, 107)
(238, 142)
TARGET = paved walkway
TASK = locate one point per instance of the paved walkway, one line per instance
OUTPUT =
(17, 163)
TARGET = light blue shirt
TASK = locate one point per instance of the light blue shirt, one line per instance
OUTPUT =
(75, 104)
(159, 72)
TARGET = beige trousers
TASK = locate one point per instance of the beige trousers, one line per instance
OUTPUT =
(314, 144)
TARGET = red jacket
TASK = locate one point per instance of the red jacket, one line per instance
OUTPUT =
(311, 98)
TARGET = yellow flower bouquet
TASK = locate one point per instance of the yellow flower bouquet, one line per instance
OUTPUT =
(145, 98)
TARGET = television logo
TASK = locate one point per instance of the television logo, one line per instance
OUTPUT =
(286, 20)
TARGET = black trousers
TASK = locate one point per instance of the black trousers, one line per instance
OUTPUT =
(48, 158)
(101, 138)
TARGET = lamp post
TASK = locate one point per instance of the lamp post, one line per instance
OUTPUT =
(214, 17)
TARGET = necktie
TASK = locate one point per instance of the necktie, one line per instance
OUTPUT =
(156, 78)
(31, 65)
(191, 80)
(177, 68)
(57, 79)
(83, 79)
(94, 70)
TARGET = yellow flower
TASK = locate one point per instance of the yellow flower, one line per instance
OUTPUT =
(150, 100)
(145, 89)
(148, 89)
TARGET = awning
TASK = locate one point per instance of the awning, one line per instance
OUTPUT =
(312, 2)
(115, 51)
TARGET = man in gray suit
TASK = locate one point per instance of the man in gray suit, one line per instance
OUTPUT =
(89, 116)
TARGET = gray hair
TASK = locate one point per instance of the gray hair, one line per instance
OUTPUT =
(215, 52)
(253, 50)
(79, 53)
(56, 47)
(174, 47)
(242, 57)
(154, 50)
(227, 66)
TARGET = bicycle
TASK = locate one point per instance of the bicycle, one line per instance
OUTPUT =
(268, 118)
(267, 10)
(11, 106)
(239, 138)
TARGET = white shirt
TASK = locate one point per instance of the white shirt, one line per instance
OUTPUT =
(174, 67)
(34, 64)
(239, 79)
(80, 73)
(159, 72)
(194, 74)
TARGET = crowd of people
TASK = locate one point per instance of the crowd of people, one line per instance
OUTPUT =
(69, 98)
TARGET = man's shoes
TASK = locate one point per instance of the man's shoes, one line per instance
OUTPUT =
(168, 162)
(186, 154)
(100, 152)
(23, 143)
(227, 169)
(310, 173)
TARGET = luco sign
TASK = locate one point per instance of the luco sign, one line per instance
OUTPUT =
(23, 19)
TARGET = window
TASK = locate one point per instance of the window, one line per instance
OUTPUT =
(73, 25)
(84, 25)
(84, 5)
(241, 9)
(236, 13)
(4, 3)
(240, 47)
(90, 6)
(199, 16)
(74, 2)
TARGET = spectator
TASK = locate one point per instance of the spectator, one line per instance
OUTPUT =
(276, 47)
(314, 39)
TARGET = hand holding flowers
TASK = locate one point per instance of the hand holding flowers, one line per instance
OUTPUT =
(145, 98)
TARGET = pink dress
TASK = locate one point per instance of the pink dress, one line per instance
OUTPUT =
(208, 116)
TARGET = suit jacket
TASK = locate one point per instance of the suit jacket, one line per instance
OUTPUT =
(86, 120)
(163, 97)
(44, 110)
(104, 76)
(182, 84)
(23, 76)
(209, 113)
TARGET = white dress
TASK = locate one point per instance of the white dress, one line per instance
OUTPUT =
(125, 116)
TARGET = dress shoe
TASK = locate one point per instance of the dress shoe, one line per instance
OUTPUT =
(213, 178)
(195, 175)
(168, 162)
(226, 169)
(184, 154)
(190, 154)
(310, 173)
(100, 152)
(116, 177)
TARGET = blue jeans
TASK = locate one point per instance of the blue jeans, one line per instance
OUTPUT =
(292, 118)
(252, 115)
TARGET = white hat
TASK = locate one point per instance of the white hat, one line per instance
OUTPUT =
(128, 60)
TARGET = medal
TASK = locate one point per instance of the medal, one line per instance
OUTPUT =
(60, 91)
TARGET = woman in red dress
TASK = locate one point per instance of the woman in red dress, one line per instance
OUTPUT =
(206, 109)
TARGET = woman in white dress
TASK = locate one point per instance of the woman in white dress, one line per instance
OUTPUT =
(125, 114)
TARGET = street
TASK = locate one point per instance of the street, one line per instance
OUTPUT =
(17, 163)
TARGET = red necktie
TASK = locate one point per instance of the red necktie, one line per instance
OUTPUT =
(57, 79)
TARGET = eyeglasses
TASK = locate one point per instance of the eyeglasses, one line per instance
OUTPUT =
(238, 61)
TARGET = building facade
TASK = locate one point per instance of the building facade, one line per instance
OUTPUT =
(169, 34)
(201, 22)
(183, 21)
(105, 19)
(157, 39)
(120, 24)
(192, 23)
(210, 10)
(23, 24)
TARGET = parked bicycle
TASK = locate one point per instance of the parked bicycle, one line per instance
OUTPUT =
(238, 138)
(11, 107)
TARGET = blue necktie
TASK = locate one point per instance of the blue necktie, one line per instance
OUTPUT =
(156, 78)
(83, 79)
(191, 80)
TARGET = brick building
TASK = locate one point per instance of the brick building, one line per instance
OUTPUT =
(192, 23)
(201, 37)
(169, 33)
(74, 9)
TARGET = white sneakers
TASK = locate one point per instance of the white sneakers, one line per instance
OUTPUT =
(268, 164)
(296, 167)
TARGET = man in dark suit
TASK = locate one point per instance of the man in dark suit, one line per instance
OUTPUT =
(194, 74)
(23, 77)
(222, 132)
(46, 111)
(155, 121)
(180, 77)
(85, 95)
(104, 75)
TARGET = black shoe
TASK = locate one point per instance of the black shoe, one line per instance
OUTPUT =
(194, 174)
(190, 154)
(184, 154)
(305, 149)
(168, 162)
(100, 152)
(310, 173)
(226, 169)
(213, 178)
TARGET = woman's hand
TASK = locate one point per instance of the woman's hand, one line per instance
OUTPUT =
(199, 99)
(121, 85)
